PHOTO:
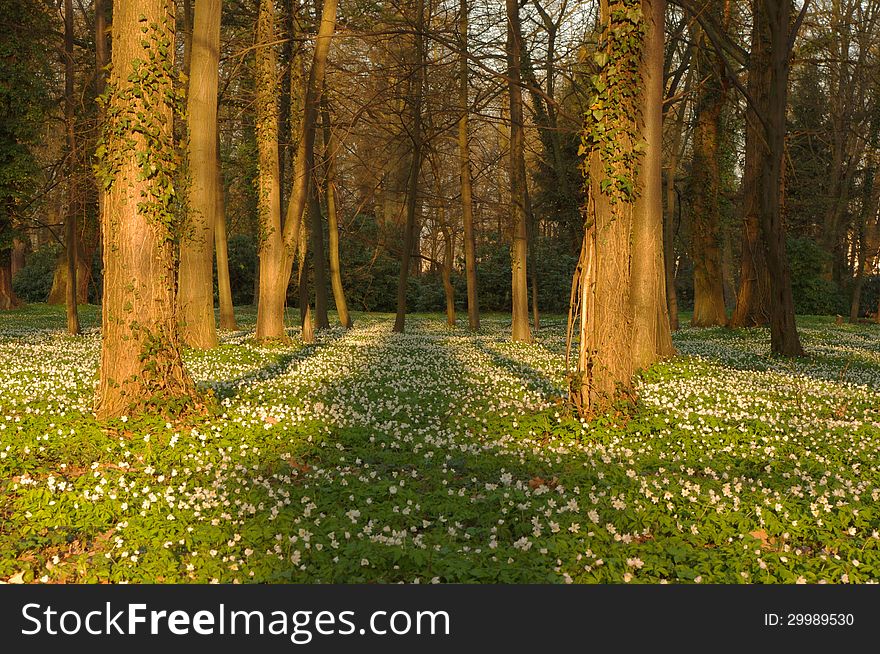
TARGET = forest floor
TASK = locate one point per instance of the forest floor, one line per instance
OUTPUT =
(442, 456)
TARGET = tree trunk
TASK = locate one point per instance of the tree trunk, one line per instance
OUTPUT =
(784, 339)
(709, 308)
(412, 199)
(8, 298)
(753, 296)
(467, 202)
(520, 330)
(196, 282)
(277, 246)
(72, 199)
(273, 255)
(18, 256)
(319, 264)
(619, 290)
(141, 366)
(448, 289)
(333, 219)
(221, 249)
(307, 332)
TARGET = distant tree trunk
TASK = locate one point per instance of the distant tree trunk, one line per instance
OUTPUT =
(221, 249)
(196, 280)
(72, 199)
(412, 199)
(141, 364)
(18, 256)
(333, 218)
(670, 220)
(519, 249)
(709, 307)
(776, 26)
(467, 202)
(448, 289)
(319, 264)
(307, 331)
(619, 291)
(8, 298)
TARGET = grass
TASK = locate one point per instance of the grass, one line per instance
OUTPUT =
(443, 456)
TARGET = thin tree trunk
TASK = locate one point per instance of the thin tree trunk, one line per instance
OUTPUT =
(448, 289)
(467, 202)
(319, 264)
(412, 199)
(141, 365)
(18, 256)
(520, 330)
(221, 249)
(8, 298)
(333, 218)
(196, 280)
(307, 331)
(72, 200)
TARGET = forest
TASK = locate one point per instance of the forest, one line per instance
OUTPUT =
(440, 291)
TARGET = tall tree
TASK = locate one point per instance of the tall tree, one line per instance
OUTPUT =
(330, 146)
(196, 282)
(279, 246)
(72, 200)
(141, 363)
(520, 330)
(414, 101)
(705, 177)
(467, 201)
(619, 291)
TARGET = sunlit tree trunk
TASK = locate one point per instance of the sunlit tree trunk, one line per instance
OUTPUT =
(467, 202)
(276, 262)
(330, 146)
(221, 249)
(196, 282)
(520, 330)
(141, 364)
(70, 241)
(275, 258)
(619, 289)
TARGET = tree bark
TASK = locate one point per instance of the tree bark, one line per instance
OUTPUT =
(18, 256)
(196, 277)
(467, 202)
(333, 218)
(412, 194)
(221, 249)
(72, 199)
(448, 289)
(276, 262)
(8, 298)
(777, 16)
(141, 366)
(520, 330)
(709, 307)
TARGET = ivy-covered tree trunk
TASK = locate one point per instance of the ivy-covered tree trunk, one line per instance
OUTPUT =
(141, 364)
(467, 202)
(196, 282)
(705, 181)
(619, 290)
(520, 330)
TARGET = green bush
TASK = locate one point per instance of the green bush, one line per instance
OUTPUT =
(813, 294)
(33, 282)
